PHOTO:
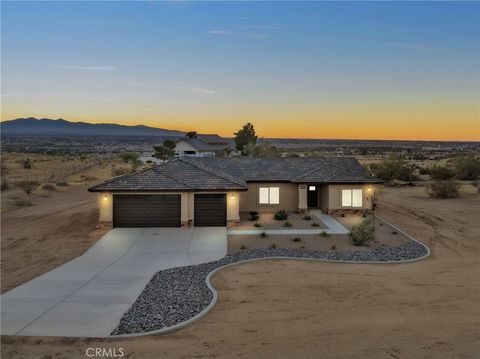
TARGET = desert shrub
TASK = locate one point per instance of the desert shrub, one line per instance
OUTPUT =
(257, 224)
(28, 186)
(315, 224)
(393, 168)
(49, 187)
(333, 247)
(394, 232)
(26, 163)
(273, 246)
(119, 171)
(307, 217)
(467, 168)
(424, 170)
(4, 185)
(441, 173)
(362, 233)
(243, 248)
(296, 239)
(62, 183)
(443, 189)
(22, 203)
(281, 215)
(476, 184)
(253, 216)
(287, 224)
(263, 235)
(324, 234)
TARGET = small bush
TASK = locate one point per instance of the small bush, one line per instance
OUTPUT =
(243, 248)
(380, 224)
(443, 189)
(120, 171)
(28, 186)
(257, 224)
(441, 173)
(23, 203)
(26, 163)
(315, 224)
(307, 217)
(281, 215)
(287, 224)
(263, 235)
(362, 233)
(476, 184)
(4, 185)
(324, 234)
(467, 168)
(296, 239)
(334, 247)
(273, 246)
(394, 232)
(49, 187)
(62, 183)
(253, 216)
(343, 215)
(364, 215)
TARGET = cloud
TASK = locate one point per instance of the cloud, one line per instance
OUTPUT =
(87, 68)
(220, 32)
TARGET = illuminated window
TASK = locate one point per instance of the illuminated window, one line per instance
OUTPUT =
(269, 195)
(312, 188)
(352, 198)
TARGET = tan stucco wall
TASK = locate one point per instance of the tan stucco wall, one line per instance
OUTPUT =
(335, 196)
(302, 197)
(187, 205)
(288, 197)
(323, 200)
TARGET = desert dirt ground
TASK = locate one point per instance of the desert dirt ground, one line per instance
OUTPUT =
(304, 309)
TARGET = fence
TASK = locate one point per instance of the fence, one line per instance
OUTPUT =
(54, 175)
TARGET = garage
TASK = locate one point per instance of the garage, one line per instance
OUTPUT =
(210, 210)
(146, 210)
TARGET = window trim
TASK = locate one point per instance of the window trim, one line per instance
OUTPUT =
(269, 196)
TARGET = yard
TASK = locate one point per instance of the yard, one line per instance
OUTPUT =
(266, 220)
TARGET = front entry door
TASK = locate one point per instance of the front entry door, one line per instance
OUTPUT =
(312, 196)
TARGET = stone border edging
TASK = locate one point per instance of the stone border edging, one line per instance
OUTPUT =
(212, 303)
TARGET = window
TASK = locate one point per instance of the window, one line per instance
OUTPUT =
(352, 198)
(269, 195)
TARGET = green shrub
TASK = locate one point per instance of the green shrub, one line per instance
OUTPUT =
(28, 186)
(315, 224)
(49, 187)
(281, 215)
(62, 183)
(324, 234)
(296, 239)
(333, 247)
(393, 168)
(253, 216)
(443, 189)
(467, 168)
(476, 184)
(257, 224)
(441, 173)
(243, 248)
(362, 233)
(307, 217)
(263, 235)
(394, 232)
(273, 246)
(287, 224)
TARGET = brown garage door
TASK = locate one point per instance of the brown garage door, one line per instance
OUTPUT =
(146, 210)
(210, 210)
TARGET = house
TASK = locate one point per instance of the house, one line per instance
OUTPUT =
(212, 191)
(204, 145)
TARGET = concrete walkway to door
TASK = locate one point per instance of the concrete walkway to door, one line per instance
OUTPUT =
(88, 296)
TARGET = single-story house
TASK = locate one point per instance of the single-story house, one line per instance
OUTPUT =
(204, 145)
(212, 191)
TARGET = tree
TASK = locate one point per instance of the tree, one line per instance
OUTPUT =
(163, 153)
(468, 168)
(245, 136)
(191, 134)
(169, 144)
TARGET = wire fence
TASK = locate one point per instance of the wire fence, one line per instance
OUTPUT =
(53, 175)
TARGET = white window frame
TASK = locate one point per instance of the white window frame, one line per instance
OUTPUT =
(352, 197)
(269, 195)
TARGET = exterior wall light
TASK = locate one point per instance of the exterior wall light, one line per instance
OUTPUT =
(369, 190)
(105, 197)
(232, 196)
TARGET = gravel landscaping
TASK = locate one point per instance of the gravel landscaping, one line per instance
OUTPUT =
(175, 295)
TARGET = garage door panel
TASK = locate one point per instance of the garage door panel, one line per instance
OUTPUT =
(146, 210)
(210, 210)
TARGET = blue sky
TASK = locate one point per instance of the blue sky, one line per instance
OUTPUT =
(217, 65)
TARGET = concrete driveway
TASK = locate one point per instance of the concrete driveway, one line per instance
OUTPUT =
(87, 296)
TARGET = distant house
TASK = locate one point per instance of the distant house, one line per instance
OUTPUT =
(204, 145)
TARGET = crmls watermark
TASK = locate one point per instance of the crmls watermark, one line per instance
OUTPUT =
(104, 352)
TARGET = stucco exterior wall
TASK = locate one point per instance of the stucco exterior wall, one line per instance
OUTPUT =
(323, 201)
(335, 196)
(105, 205)
(302, 198)
(288, 197)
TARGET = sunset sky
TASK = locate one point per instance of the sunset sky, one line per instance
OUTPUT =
(358, 70)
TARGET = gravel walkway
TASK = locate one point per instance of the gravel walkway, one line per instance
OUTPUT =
(175, 295)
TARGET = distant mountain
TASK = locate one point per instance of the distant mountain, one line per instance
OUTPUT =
(60, 127)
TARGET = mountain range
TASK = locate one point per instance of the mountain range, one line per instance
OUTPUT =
(61, 127)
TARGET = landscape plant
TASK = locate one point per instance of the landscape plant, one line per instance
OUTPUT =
(307, 217)
(443, 189)
(324, 234)
(288, 224)
(315, 224)
(467, 168)
(296, 239)
(253, 216)
(281, 215)
(257, 224)
(245, 136)
(263, 235)
(363, 233)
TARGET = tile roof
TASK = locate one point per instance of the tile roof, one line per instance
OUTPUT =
(200, 145)
(232, 173)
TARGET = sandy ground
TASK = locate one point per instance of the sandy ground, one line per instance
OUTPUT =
(302, 309)
(267, 221)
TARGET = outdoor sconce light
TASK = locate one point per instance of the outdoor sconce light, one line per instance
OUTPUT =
(105, 197)
(369, 190)
(232, 196)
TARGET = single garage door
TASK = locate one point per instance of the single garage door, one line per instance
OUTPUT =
(210, 210)
(146, 210)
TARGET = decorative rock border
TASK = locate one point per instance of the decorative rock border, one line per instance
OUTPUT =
(177, 297)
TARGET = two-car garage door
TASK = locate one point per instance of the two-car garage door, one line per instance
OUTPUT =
(164, 210)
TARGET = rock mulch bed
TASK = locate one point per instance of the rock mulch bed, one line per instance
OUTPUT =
(175, 295)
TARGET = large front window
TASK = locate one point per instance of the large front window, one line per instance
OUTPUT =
(352, 198)
(269, 195)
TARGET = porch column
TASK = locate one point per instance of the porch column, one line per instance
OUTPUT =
(302, 198)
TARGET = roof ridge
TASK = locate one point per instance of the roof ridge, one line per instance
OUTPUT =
(123, 175)
(165, 173)
(214, 171)
(311, 171)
